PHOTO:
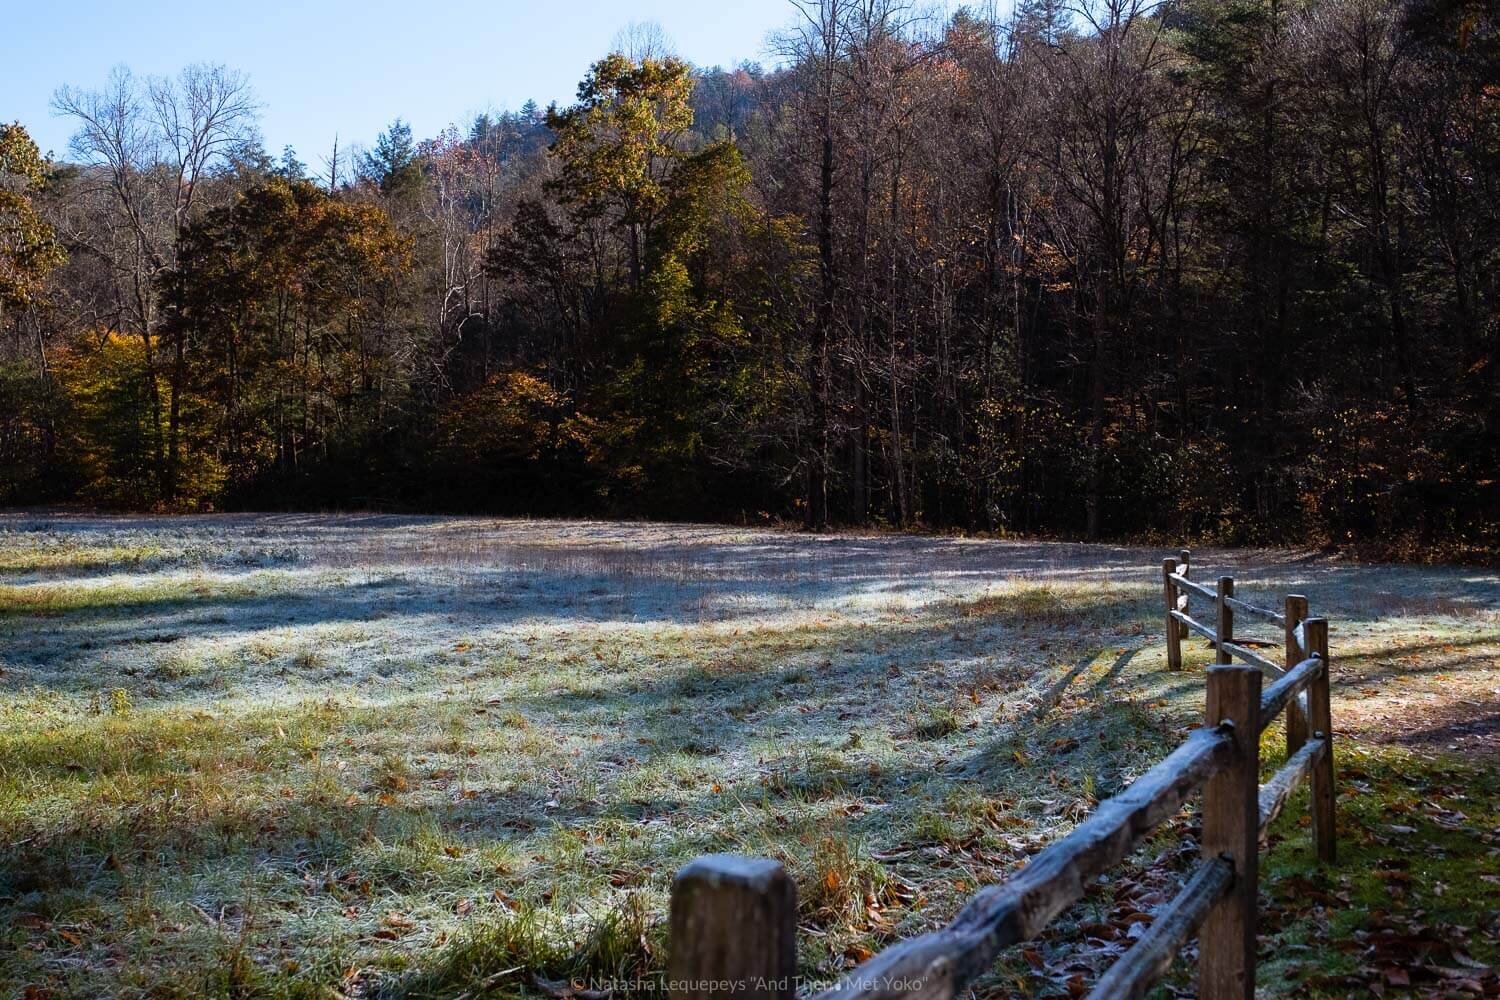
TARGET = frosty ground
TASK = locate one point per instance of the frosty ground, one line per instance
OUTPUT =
(293, 755)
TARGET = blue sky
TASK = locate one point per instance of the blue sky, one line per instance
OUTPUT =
(326, 66)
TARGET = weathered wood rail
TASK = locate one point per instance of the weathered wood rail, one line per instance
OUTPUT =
(733, 925)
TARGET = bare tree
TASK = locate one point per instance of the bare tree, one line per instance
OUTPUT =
(205, 115)
(149, 147)
(1355, 54)
(331, 164)
(1445, 141)
(816, 45)
(641, 40)
(1107, 105)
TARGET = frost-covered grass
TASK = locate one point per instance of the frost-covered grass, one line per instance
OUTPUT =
(387, 756)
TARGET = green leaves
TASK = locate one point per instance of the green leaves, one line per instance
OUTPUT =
(618, 143)
(393, 165)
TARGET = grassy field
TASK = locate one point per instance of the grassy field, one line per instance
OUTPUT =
(370, 756)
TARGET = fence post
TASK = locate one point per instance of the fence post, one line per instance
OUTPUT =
(1296, 709)
(1320, 719)
(1169, 594)
(1231, 829)
(1224, 627)
(733, 931)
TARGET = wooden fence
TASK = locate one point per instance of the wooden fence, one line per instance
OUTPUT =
(734, 919)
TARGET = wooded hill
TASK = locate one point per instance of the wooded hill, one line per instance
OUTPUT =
(1109, 270)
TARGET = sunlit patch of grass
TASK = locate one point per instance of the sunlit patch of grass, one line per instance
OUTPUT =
(309, 660)
(112, 593)
(29, 553)
(936, 721)
(838, 881)
(1026, 600)
(621, 950)
(177, 667)
(1047, 604)
(38, 550)
(393, 773)
(937, 826)
(815, 772)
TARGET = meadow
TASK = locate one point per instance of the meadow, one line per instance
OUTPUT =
(384, 756)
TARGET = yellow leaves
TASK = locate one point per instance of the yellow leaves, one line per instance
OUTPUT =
(107, 381)
(29, 249)
(510, 419)
(20, 157)
(625, 125)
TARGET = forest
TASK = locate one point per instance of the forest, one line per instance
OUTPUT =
(1201, 269)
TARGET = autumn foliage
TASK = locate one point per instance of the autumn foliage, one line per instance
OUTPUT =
(1207, 269)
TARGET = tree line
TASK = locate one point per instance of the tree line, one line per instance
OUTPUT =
(1205, 268)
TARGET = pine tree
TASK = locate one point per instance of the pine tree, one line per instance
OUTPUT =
(289, 167)
(393, 165)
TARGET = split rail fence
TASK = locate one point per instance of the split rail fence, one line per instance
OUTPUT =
(734, 919)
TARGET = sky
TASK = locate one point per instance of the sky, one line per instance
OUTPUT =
(322, 67)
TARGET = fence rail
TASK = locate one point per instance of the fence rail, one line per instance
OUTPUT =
(1143, 965)
(733, 926)
(1274, 793)
(1292, 683)
(1246, 608)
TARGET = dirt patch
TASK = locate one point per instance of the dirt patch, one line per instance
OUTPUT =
(1465, 726)
(1439, 696)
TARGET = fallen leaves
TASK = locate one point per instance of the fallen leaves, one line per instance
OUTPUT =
(394, 925)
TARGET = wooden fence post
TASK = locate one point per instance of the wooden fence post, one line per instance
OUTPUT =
(1296, 709)
(1174, 633)
(733, 931)
(1224, 627)
(1320, 719)
(1231, 829)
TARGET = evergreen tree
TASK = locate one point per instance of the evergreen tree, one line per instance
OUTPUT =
(289, 168)
(393, 165)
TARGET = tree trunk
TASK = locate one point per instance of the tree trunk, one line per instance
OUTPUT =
(817, 464)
